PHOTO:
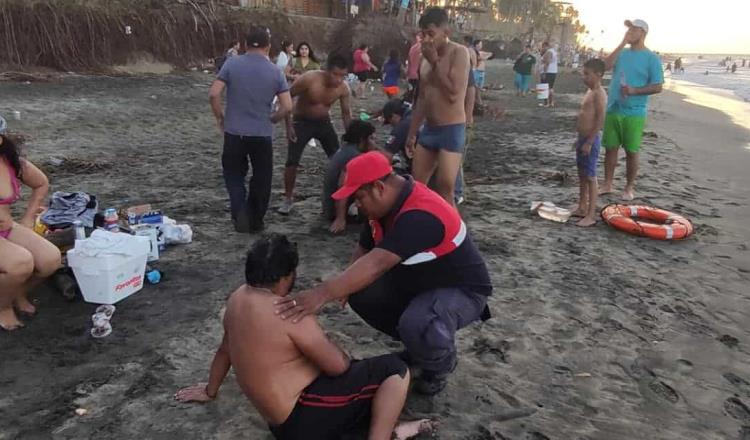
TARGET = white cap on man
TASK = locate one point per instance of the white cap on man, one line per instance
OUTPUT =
(637, 23)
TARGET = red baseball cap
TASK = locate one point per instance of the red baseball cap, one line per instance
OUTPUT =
(363, 169)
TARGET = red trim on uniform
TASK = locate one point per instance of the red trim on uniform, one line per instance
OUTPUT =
(367, 392)
(336, 405)
(424, 199)
(340, 398)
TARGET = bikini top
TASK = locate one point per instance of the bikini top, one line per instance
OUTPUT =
(14, 184)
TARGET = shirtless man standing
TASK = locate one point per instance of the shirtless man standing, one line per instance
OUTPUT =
(444, 77)
(300, 382)
(316, 91)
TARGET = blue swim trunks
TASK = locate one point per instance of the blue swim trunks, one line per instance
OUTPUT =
(445, 137)
(588, 163)
(479, 78)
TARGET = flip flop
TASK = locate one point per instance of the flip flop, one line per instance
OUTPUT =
(596, 222)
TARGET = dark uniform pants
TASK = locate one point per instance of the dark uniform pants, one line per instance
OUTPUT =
(426, 322)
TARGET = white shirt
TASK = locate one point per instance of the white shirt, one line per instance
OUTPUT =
(552, 67)
(283, 60)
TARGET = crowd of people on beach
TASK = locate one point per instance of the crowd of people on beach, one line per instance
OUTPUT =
(415, 273)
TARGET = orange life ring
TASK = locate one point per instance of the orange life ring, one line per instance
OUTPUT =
(647, 221)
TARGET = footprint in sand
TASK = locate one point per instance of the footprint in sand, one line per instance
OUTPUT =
(738, 382)
(664, 391)
(684, 366)
(497, 348)
(729, 340)
(736, 409)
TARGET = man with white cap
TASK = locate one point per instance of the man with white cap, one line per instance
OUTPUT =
(637, 74)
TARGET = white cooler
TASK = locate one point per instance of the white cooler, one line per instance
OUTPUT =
(108, 266)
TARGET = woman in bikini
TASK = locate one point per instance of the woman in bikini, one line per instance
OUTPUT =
(27, 258)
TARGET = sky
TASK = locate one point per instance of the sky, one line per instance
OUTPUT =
(675, 26)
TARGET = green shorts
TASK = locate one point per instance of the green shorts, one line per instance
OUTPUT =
(625, 131)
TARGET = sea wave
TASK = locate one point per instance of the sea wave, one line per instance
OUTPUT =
(708, 72)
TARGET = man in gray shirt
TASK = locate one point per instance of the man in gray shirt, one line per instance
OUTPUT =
(252, 82)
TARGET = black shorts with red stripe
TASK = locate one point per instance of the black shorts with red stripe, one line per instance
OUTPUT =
(334, 406)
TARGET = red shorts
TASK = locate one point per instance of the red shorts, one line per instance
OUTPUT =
(391, 91)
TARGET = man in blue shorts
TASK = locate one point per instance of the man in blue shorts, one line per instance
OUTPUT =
(444, 76)
(637, 74)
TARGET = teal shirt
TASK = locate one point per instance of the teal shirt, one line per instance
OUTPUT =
(641, 68)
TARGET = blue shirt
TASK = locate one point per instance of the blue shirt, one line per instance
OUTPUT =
(391, 74)
(252, 82)
(640, 68)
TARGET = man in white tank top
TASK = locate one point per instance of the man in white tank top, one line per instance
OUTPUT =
(549, 71)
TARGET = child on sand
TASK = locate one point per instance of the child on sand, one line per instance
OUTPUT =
(589, 126)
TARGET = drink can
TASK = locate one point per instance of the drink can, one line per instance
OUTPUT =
(79, 230)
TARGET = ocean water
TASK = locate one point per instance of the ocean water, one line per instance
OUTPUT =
(718, 78)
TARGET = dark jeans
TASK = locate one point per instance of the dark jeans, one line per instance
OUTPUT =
(426, 323)
(251, 203)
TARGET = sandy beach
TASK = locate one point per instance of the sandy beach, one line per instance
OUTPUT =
(595, 335)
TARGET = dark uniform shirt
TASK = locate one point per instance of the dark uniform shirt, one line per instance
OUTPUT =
(417, 231)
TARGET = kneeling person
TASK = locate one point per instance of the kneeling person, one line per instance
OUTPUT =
(357, 139)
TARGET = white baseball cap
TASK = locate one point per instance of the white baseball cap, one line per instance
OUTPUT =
(637, 23)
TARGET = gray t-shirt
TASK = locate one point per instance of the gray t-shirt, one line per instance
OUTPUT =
(252, 82)
(336, 165)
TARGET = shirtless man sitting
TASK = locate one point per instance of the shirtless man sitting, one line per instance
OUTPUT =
(442, 91)
(300, 382)
(316, 91)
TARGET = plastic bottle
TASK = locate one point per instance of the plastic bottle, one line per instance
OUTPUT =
(623, 84)
(79, 230)
(111, 221)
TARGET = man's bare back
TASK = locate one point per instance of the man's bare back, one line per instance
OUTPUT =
(443, 87)
(315, 95)
(589, 120)
(270, 369)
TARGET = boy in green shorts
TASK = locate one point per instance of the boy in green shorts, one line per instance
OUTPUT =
(637, 74)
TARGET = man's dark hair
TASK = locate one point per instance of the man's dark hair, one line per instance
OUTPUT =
(269, 259)
(357, 131)
(393, 56)
(596, 65)
(363, 46)
(546, 43)
(285, 44)
(258, 37)
(337, 60)
(476, 42)
(528, 46)
(433, 16)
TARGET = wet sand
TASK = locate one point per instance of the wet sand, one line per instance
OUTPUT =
(595, 334)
